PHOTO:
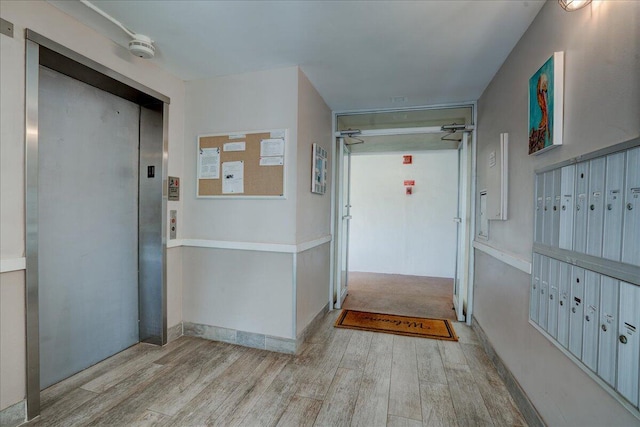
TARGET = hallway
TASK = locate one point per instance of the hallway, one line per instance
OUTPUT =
(400, 294)
(341, 377)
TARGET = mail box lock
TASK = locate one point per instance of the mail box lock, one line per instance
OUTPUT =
(623, 339)
(604, 327)
(573, 309)
(561, 302)
(609, 206)
(587, 318)
(564, 208)
(551, 296)
(592, 207)
(629, 206)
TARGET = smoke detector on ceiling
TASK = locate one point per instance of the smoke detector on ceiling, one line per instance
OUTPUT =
(142, 46)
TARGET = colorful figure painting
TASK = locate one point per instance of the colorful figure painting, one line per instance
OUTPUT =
(545, 106)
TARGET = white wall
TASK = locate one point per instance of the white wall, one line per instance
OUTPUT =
(602, 107)
(392, 232)
(53, 24)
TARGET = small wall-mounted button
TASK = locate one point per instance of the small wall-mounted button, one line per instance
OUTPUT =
(173, 220)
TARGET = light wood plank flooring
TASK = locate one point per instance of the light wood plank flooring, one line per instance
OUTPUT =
(341, 377)
(419, 296)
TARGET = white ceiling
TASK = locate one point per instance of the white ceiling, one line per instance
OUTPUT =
(358, 54)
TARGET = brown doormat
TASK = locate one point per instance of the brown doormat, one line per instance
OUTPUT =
(440, 329)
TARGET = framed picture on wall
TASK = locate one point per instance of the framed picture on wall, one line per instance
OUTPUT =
(546, 105)
(318, 169)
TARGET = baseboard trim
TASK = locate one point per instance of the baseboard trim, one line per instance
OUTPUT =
(175, 332)
(251, 339)
(242, 338)
(312, 326)
(529, 412)
(14, 415)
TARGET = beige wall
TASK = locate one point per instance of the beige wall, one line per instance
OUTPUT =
(313, 211)
(314, 125)
(59, 27)
(602, 108)
(254, 290)
(250, 291)
(12, 338)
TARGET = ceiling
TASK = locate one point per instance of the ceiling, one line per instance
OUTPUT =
(358, 54)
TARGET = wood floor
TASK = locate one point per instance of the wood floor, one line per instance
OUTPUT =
(399, 294)
(341, 378)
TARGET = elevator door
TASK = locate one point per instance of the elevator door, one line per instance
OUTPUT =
(87, 225)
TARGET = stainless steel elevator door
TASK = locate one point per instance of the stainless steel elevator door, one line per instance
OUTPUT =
(87, 225)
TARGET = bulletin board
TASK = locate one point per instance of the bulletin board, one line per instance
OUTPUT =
(242, 165)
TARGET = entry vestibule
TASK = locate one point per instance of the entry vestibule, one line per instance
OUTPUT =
(405, 215)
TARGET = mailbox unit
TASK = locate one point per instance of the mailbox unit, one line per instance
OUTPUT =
(585, 282)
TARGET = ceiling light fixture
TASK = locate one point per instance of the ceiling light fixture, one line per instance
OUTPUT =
(140, 45)
(571, 5)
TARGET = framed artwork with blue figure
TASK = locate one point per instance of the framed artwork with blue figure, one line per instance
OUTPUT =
(546, 105)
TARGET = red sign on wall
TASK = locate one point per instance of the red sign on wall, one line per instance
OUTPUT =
(409, 182)
(407, 160)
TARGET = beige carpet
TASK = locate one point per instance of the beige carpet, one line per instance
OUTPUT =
(403, 295)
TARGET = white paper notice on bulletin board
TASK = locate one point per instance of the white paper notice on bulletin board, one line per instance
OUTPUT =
(233, 177)
(209, 163)
(272, 147)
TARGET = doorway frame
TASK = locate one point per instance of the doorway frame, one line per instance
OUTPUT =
(88, 71)
(337, 179)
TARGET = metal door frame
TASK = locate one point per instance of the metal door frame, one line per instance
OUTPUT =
(341, 213)
(43, 51)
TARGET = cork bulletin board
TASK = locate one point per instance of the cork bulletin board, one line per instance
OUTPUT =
(242, 165)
